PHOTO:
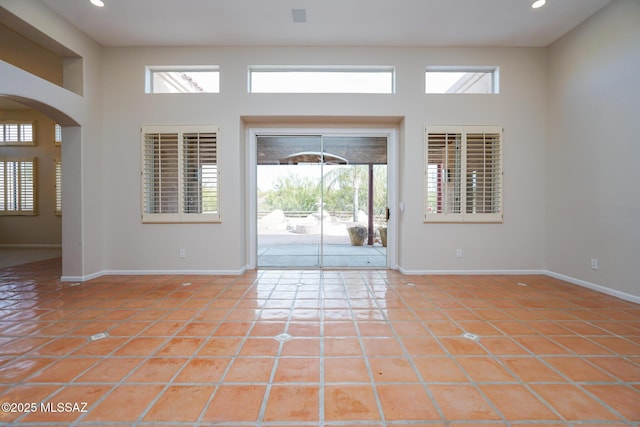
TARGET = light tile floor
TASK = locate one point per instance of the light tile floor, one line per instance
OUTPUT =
(314, 348)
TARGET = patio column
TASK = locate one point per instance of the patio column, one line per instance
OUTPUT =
(372, 232)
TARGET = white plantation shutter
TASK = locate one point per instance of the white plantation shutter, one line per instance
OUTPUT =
(16, 133)
(26, 132)
(463, 174)
(200, 172)
(444, 180)
(58, 186)
(57, 134)
(180, 174)
(161, 176)
(27, 192)
(484, 175)
(18, 187)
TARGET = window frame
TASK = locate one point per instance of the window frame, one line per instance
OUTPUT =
(321, 69)
(151, 70)
(495, 177)
(494, 71)
(17, 187)
(176, 198)
(19, 124)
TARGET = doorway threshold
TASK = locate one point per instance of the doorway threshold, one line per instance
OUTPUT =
(298, 256)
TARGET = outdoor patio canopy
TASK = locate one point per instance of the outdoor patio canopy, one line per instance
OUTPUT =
(353, 150)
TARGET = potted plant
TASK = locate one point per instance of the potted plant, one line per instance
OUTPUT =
(383, 235)
(357, 234)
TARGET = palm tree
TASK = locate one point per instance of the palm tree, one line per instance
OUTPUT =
(344, 180)
(346, 185)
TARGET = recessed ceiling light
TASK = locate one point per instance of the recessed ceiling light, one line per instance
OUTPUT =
(538, 3)
(98, 3)
(299, 15)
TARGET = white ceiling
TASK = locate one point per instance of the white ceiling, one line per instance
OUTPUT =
(329, 22)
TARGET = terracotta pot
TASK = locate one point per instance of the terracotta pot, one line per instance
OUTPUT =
(357, 235)
(383, 235)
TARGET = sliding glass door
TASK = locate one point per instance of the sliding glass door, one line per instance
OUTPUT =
(290, 211)
(321, 201)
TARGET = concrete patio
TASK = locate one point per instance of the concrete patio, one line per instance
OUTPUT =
(292, 250)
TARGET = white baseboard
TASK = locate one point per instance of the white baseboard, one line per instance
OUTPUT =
(599, 288)
(153, 273)
(470, 272)
(81, 278)
(175, 272)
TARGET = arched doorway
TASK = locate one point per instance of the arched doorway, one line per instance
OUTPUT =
(30, 181)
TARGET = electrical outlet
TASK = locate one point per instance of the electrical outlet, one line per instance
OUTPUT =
(182, 253)
(594, 263)
(458, 253)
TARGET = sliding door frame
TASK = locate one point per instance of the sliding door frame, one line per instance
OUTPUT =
(392, 181)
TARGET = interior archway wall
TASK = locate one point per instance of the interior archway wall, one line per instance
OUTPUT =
(71, 220)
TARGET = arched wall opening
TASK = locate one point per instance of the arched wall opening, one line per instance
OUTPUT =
(48, 233)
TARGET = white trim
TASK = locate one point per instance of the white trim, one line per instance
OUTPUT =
(175, 272)
(392, 175)
(471, 272)
(595, 287)
(82, 278)
(154, 273)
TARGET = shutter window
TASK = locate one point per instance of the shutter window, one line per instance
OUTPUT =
(483, 173)
(180, 174)
(444, 179)
(464, 174)
(161, 173)
(16, 133)
(18, 187)
(200, 173)
(57, 134)
(58, 186)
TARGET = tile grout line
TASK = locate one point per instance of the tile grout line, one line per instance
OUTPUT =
(267, 392)
(321, 373)
(407, 355)
(233, 358)
(500, 363)
(366, 361)
(61, 385)
(464, 371)
(370, 281)
(142, 362)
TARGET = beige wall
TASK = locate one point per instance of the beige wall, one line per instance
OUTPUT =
(516, 244)
(46, 227)
(24, 53)
(82, 222)
(593, 151)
